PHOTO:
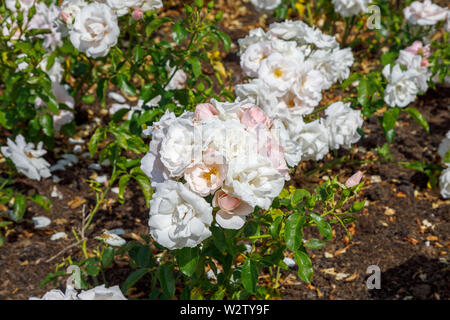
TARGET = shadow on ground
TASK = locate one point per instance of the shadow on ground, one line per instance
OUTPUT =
(418, 278)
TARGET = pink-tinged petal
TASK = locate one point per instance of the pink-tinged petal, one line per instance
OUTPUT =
(254, 116)
(205, 111)
(354, 179)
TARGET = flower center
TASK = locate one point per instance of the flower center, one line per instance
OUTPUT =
(212, 171)
(278, 72)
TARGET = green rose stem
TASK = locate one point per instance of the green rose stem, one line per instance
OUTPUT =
(99, 200)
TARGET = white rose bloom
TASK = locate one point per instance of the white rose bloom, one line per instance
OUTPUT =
(26, 158)
(402, 88)
(152, 163)
(62, 118)
(253, 179)
(302, 34)
(178, 79)
(178, 217)
(266, 5)
(348, 8)
(70, 8)
(444, 146)
(98, 293)
(304, 95)
(229, 138)
(254, 36)
(334, 65)
(178, 147)
(56, 71)
(252, 57)
(444, 183)
(289, 30)
(207, 176)
(342, 123)
(414, 62)
(102, 293)
(148, 5)
(47, 18)
(70, 294)
(95, 30)
(425, 13)
(278, 72)
(313, 140)
(25, 5)
(287, 48)
(122, 7)
(287, 129)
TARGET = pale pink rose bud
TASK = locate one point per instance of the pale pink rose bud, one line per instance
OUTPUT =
(137, 14)
(254, 116)
(354, 179)
(424, 63)
(205, 111)
(66, 17)
(227, 202)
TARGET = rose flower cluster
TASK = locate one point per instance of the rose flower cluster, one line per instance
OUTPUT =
(223, 158)
(289, 66)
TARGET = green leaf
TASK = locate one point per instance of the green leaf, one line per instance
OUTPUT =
(196, 66)
(43, 201)
(357, 206)
(388, 58)
(122, 184)
(354, 76)
(97, 137)
(363, 92)
(219, 238)
(188, 259)
(198, 3)
(146, 188)
(102, 87)
(143, 256)
(46, 122)
(89, 99)
(167, 280)
(108, 257)
(249, 275)
(293, 232)
(225, 39)
(50, 101)
(323, 226)
(126, 85)
(388, 123)
(92, 270)
(299, 195)
(179, 32)
(305, 269)
(314, 243)
(154, 25)
(446, 157)
(19, 207)
(420, 119)
(5, 223)
(133, 278)
(275, 227)
(138, 53)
